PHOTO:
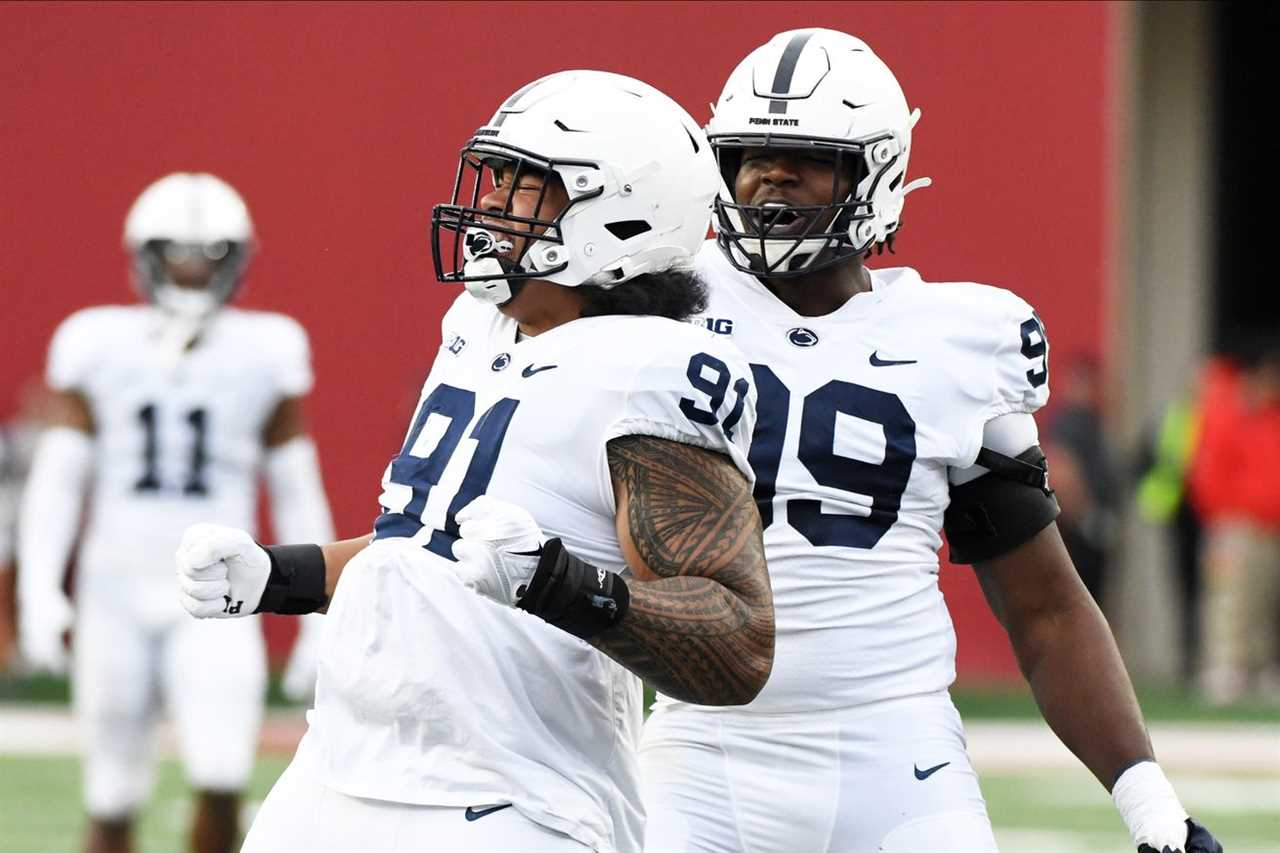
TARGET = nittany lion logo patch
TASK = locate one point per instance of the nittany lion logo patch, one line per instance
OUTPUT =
(802, 337)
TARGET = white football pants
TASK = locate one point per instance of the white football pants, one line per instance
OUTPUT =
(211, 674)
(302, 814)
(892, 777)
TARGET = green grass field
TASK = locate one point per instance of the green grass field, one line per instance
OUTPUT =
(1035, 811)
(1037, 806)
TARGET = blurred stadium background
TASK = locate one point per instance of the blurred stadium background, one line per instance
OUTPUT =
(1104, 160)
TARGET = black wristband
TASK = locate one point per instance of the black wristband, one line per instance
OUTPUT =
(574, 595)
(296, 582)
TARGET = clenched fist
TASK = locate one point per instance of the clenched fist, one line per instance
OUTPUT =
(498, 550)
(222, 572)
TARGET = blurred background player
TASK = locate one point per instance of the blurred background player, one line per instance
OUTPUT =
(886, 404)
(1235, 486)
(18, 438)
(160, 415)
(1163, 497)
(572, 497)
(1078, 451)
(11, 479)
(8, 513)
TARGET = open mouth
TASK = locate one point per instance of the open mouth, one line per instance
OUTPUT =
(778, 220)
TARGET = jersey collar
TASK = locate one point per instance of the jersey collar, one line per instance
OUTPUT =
(883, 281)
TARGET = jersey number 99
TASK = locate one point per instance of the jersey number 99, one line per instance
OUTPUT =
(883, 483)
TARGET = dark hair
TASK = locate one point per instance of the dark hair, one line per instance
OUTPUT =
(887, 242)
(676, 294)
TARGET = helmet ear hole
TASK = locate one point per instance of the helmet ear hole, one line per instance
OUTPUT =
(628, 228)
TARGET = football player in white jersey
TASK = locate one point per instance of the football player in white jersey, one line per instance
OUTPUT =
(11, 478)
(572, 501)
(889, 409)
(164, 414)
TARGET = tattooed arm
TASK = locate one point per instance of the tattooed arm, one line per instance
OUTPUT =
(700, 623)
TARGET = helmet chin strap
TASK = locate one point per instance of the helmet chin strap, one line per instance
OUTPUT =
(494, 291)
(796, 255)
(786, 255)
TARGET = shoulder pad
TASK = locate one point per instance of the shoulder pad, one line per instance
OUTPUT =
(696, 388)
(290, 349)
(1006, 333)
(79, 339)
(1022, 359)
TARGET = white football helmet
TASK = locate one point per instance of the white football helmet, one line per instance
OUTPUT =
(637, 169)
(813, 89)
(189, 217)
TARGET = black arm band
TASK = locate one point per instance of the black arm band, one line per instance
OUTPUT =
(574, 595)
(990, 516)
(296, 582)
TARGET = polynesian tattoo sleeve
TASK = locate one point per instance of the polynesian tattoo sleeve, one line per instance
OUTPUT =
(702, 630)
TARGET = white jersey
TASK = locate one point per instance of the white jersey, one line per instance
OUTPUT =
(17, 443)
(177, 441)
(861, 413)
(431, 694)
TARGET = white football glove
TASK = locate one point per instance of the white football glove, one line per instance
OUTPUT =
(498, 549)
(42, 621)
(221, 572)
(299, 679)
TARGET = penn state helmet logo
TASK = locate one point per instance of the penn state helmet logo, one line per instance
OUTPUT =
(501, 362)
(802, 337)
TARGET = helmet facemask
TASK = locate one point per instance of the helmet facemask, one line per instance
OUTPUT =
(845, 228)
(493, 251)
(221, 265)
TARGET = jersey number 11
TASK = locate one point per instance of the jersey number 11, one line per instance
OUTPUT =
(194, 483)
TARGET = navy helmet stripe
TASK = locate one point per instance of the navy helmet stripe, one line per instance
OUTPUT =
(526, 87)
(787, 69)
(510, 102)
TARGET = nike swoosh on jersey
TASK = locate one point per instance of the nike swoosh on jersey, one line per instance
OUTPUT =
(473, 813)
(530, 370)
(877, 361)
(925, 774)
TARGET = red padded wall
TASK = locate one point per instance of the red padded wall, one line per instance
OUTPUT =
(340, 125)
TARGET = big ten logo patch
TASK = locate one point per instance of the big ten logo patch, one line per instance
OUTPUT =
(719, 325)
